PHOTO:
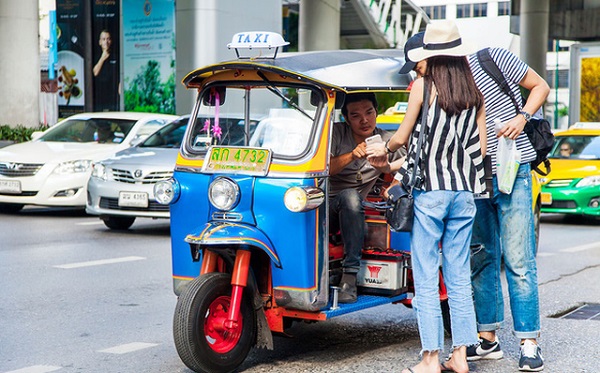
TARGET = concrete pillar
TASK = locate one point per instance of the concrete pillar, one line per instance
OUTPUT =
(534, 33)
(205, 27)
(19, 63)
(319, 25)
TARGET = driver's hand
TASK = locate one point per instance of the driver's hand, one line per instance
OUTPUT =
(360, 151)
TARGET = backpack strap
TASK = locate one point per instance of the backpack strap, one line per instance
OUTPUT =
(489, 66)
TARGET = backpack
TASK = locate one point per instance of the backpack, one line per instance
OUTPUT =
(538, 130)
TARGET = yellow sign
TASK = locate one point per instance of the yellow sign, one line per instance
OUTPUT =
(233, 160)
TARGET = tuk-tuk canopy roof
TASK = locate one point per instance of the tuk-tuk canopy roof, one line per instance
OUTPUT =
(347, 70)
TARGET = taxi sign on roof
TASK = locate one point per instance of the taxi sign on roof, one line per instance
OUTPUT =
(257, 40)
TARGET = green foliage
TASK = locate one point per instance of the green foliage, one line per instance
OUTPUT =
(148, 94)
(563, 111)
(387, 100)
(18, 133)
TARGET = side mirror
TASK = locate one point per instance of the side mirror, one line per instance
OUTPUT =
(340, 97)
(211, 96)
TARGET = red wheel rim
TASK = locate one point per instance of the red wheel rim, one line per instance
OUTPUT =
(219, 338)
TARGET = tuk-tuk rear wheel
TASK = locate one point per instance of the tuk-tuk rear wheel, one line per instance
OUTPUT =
(201, 342)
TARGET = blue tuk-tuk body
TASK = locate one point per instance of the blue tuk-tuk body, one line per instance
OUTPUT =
(251, 246)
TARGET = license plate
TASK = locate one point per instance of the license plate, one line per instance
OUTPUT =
(228, 159)
(10, 186)
(546, 198)
(133, 199)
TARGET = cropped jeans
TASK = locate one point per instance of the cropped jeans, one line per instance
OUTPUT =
(347, 214)
(504, 230)
(444, 217)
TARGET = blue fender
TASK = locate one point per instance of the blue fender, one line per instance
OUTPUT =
(226, 233)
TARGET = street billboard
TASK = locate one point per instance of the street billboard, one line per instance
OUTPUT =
(70, 37)
(106, 65)
(149, 55)
(584, 83)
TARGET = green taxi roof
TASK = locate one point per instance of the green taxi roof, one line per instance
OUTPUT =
(346, 70)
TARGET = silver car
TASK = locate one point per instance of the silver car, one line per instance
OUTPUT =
(120, 188)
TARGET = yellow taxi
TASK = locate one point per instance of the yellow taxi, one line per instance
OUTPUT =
(392, 117)
(573, 185)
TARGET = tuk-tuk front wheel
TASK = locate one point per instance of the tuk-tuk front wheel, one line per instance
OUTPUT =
(203, 344)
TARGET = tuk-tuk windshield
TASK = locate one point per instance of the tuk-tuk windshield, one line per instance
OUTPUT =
(279, 118)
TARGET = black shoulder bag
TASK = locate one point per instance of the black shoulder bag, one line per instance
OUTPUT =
(537, 129)
(400, 210)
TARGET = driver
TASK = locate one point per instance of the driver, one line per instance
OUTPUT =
(104, 132)
(351, 178)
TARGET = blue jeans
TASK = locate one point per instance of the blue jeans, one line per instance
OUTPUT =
(504, 229)
(347, 214)
(444, 217)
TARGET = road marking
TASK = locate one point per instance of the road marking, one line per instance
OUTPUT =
(99, 262)
(98, 222)
(36, 369)
(129, 347)
(546, 254)
(576, 249)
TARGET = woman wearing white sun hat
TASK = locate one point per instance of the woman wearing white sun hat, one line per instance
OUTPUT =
(451, 170)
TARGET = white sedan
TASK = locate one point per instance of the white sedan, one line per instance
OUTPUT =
(53, 169)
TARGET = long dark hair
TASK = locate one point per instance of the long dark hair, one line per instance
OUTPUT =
(456, 88)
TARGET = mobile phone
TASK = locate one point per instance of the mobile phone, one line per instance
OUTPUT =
(373, 139)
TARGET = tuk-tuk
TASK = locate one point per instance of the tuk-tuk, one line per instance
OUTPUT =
(251, 246)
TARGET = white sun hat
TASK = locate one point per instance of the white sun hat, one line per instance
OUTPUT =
(442, 39)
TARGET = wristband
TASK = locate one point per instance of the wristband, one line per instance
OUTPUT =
(388, 150)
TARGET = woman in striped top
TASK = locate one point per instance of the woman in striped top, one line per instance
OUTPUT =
(450, 170)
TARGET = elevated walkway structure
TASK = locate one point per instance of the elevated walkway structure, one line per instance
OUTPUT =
(575, 20)
(356, 24)
(380, 23)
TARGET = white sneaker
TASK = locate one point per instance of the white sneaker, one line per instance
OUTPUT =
(530, 359)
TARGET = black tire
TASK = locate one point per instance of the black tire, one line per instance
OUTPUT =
(10, 208)
(192, 321)
(446, 317)
(119, 223)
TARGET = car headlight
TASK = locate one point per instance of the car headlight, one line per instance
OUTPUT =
(71, 167)
(99, 171)
(588, 181)
(224, 193)
(167, 191)
(298, 199)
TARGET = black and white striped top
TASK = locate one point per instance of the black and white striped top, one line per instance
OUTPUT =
(498, 104)
(451, 155)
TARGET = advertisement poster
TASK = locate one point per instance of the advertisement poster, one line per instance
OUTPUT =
(584, 83)
(149, 55)
(106, 70)
(590, 89)
(70, 64)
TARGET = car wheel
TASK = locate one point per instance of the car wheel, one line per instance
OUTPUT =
(10, 208)
(119, 223)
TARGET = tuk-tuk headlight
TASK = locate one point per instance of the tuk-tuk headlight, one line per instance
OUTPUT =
(224, 193)
(166, 191)
(305, 198)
